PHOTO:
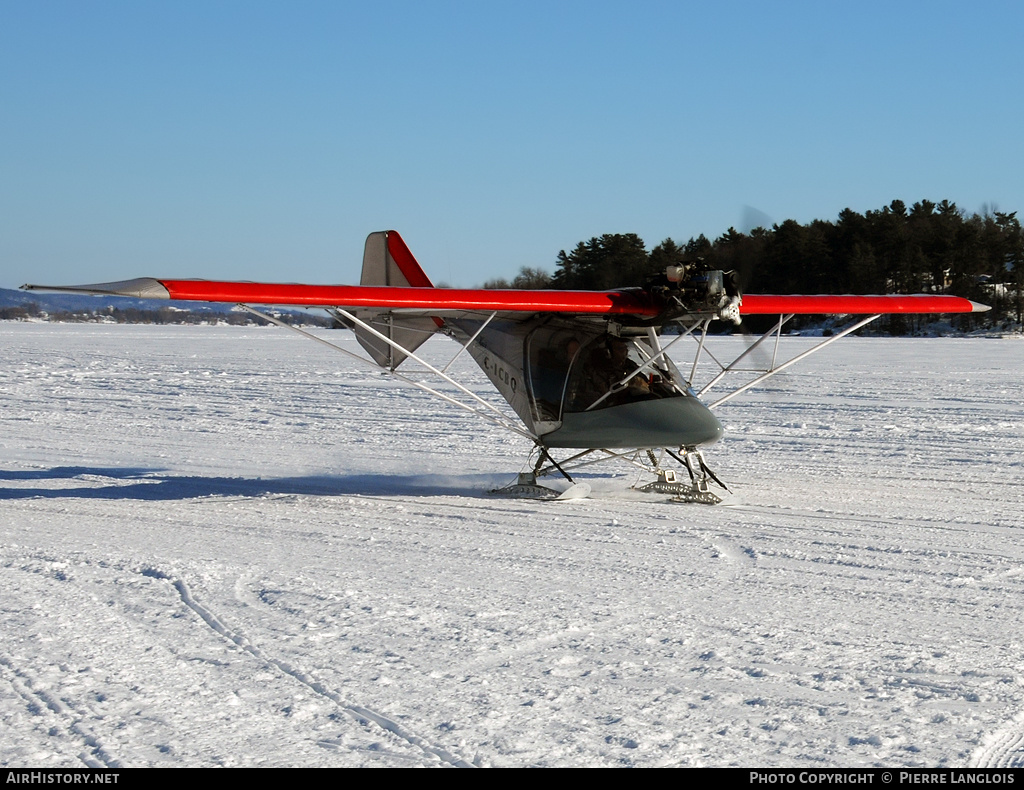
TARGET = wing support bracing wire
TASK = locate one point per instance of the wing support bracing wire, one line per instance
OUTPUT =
(469, 342)
(499, 419)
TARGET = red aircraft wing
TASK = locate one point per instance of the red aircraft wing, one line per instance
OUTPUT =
(826, 304)
(428, 301)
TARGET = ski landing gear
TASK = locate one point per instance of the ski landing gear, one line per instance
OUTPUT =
(527, 487)
(698, 490)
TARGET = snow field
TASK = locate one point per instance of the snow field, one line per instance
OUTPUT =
(224, 546)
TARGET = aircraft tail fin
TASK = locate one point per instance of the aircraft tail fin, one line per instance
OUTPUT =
(387, 260)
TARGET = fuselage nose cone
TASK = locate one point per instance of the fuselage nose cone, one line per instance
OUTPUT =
(667, 422)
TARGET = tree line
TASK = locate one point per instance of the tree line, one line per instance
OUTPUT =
(927, 248)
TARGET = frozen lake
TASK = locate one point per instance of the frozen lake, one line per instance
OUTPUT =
(226, 546)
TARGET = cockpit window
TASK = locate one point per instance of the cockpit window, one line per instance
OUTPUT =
(551, 352)
(574, 370)
(611, 371)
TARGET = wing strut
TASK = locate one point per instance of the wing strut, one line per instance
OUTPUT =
(432, 369)
(500, 419)
(700, 347)
(773, 370)
(776, 330)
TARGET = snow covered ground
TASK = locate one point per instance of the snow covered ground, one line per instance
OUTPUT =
(224, 546)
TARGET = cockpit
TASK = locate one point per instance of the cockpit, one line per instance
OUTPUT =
(570, 373)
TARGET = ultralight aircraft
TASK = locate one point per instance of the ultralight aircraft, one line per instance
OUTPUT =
(584, 371)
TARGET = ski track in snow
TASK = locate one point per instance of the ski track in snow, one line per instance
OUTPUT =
(1004, 748)
(64, 717)
(224, 546)
(361, 714)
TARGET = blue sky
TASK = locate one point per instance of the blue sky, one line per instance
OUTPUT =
(263, 141)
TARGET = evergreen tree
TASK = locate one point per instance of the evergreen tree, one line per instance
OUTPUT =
(931, 247)
(614, 260)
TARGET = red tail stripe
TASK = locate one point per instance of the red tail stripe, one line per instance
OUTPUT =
(407, 261)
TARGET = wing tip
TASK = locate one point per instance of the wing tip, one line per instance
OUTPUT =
(140, 288)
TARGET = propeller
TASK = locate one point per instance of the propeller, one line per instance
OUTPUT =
(741, 277)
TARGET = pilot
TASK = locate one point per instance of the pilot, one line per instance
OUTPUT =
(609, 365)
(621, 366)
(572, 345)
